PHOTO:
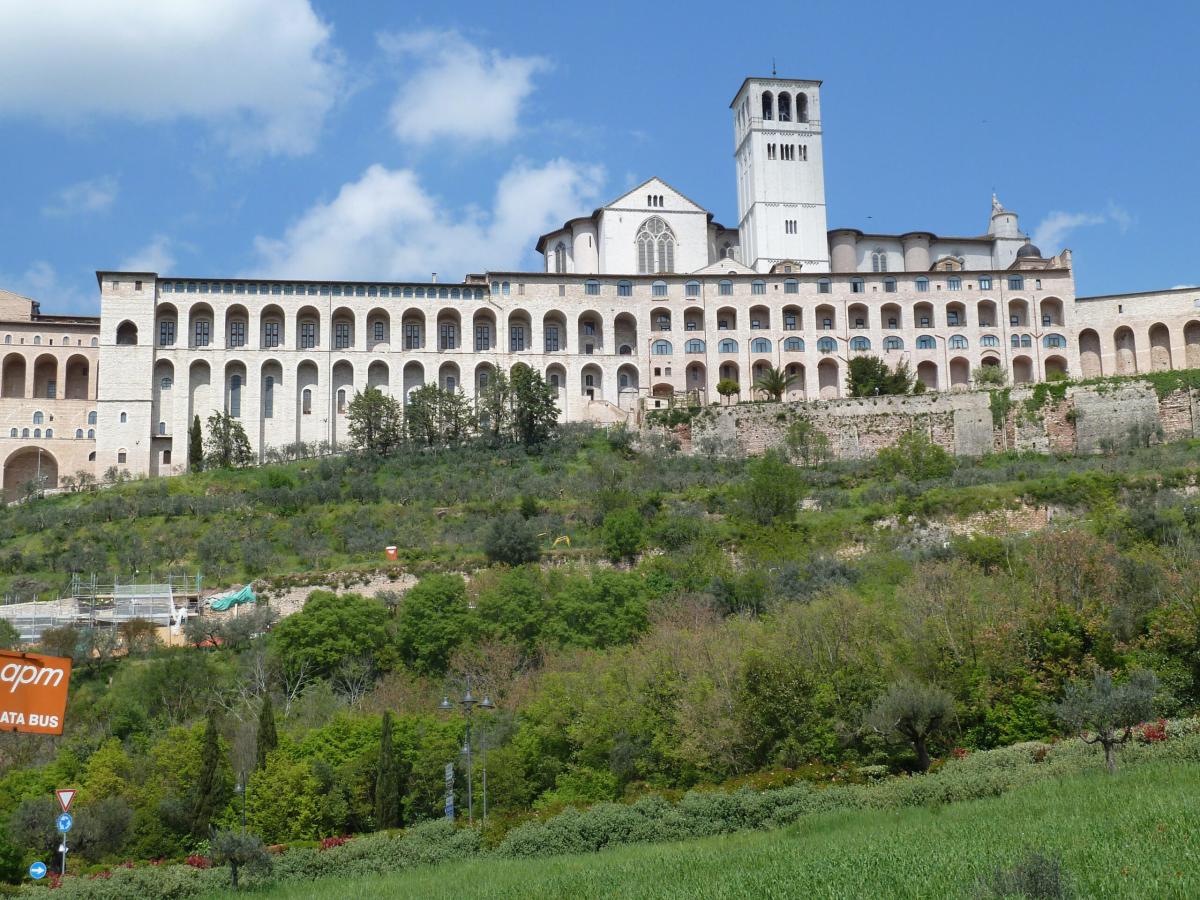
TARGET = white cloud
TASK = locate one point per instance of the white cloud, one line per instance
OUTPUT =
(91, 196)
(156, 256)
(263, 71)
(1053, 230)
(385, 225)
(457, 89)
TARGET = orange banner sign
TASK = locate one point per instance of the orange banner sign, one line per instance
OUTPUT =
(33, 692)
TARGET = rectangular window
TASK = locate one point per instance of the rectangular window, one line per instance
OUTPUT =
(954, 283)
(446, 337)
(308, 335)
(51, 389)
(412, 337)
(516, 337)
(1016, 283)
(341, 335)
(483, 337)
(202, 333)
(269, 398)
(985, 282)
(379, 331)
(166, 334)
(726, 289)
(237, 334)
(758, 287)
(551, 338)
(824, 287)
(624, 289)
(857, 287)
(789, 322)
(951, 318)
(592, 288)
(271, 334)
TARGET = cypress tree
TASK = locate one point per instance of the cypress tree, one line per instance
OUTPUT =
(389, 781)
(268, 739)
(209, 792)
(195, 446)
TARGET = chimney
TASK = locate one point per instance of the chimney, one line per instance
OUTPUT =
(434, 277)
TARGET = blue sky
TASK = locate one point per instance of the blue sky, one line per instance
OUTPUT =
(363, 140)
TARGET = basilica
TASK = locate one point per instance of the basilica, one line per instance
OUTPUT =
(644, 302)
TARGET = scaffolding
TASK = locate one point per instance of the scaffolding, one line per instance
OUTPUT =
(95, 604)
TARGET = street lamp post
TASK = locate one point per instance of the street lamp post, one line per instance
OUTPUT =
(468, 703)
(240, 789)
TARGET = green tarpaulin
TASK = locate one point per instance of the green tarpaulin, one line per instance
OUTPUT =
(225, 601)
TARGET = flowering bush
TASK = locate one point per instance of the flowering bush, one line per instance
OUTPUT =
(196, 861)
(1152, 732)
(331, 842)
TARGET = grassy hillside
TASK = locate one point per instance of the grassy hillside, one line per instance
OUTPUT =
(1135, 835)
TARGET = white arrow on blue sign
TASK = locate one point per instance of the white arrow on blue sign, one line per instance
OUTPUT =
(65, 822)
(37, 870)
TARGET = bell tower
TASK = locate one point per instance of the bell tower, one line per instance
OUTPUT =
(780, 173)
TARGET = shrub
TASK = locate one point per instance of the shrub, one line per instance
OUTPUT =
(1035, 876)
(915, 456)
(622, 534)
(511, 540)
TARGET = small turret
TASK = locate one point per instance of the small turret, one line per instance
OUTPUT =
(1004, 221)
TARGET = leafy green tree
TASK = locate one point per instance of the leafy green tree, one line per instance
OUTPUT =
(195, 445)
(989, 376)
(806, 443)
(770, 491)
(227, 446)
(727, 388)
(916, 457)
(535, 406)
(512, 607)
(9, 635)
(432, 621)
(493, 407)
(1107, 710)
(622, 534)
(237, 850)
(12, 868)
(511, 540)
(330, 628)
(606, 610)
(208, 793)
(775, 382)
(435, 417)
(869, 376)
(389, 781)
(268, 738)
(913, 712)
(376, 422)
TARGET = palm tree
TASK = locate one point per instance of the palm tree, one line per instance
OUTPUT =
(775, 382)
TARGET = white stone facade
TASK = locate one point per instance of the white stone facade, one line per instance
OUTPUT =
(646, 301)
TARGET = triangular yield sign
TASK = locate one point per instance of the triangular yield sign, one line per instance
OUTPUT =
(65, 796)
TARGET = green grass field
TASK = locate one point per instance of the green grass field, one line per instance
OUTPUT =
(1133, 835)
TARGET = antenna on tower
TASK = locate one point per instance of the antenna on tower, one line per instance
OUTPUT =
(773, 72)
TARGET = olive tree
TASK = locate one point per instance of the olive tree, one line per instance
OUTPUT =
(914, 712)
(1107, 711)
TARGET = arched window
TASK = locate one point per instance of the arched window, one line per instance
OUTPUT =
(37, 339)
(925, 342)
(768, 106)
(655, 247)
(802, 107)
(793, 345)
(860, 343)
(658, 289)
(760, 345)
(661, 348)
(893, 343)
(560, 257)
(122, 456)
(24, 432)
(13, 433)
(38, 418)
(306, 402)
(124, 418)
(341, 401)
(826, 345)
(78, 433)
(1026, 341)
(162, 427)
(624, 288)
(269, 397)
(729, 345)
(92, 417)
(879, 260)
(1054, 342)
(758, 286)
(922, 284)
(695, 345)
(591, 287)
(785, 107)
(989, 340)
(8, 340)
(37, 432)
(725, 288)
(95, 342)
(889, 285)
(1016, 341)
(791, 286)
(958, 342)
(824, 286)
(49, 432)
(691, 289)
(91, 434)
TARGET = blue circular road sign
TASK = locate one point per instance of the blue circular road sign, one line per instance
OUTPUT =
(65, 822)
(37, 870)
